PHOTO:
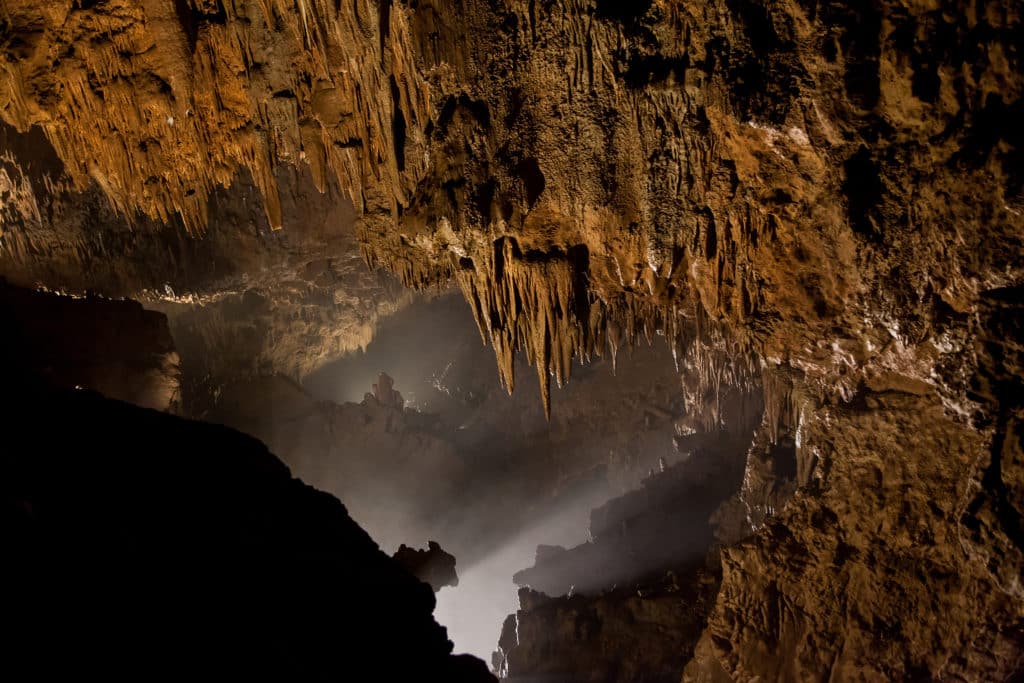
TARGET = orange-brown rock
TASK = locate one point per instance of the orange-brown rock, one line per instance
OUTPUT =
(161, 102)
(820, 199)
(241, 299)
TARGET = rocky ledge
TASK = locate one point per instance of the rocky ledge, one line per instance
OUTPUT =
(143, 545)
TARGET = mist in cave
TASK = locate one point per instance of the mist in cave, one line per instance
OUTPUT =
(493, 524)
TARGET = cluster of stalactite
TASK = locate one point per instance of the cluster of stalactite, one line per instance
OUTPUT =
(159, 103)
(784, 399)
(170, 100)
(540, 303)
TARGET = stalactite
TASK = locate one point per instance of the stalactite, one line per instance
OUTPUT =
(783, 395)
(160, 124)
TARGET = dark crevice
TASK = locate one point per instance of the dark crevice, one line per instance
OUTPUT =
(861, 49)
(1009, 516)
(579, 257)
(711, 238)
(528, 170)
(645, 70)
(398, 126)
(624, 11)
(484, 198)
(384, 28)
(863, 189)
(763, 74)
(189, 23)
(477, 109)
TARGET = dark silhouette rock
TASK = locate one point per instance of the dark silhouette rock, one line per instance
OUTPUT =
(433, 566)
(114, 347)
(143, 545)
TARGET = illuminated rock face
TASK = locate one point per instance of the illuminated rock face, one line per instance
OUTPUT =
(160, 102)
(241, 299)
(590, 172)
(821, 201)
(860, 574)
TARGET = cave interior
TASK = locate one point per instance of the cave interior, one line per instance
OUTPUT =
(573, 341)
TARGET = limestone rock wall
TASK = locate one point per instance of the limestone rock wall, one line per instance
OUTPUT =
(241, 299)
(632, 634)
(869, 571)
(804, 189)
(591, 171)
(161, 102)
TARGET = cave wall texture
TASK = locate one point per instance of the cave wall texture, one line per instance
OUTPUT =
(241, 299)
(820, 201)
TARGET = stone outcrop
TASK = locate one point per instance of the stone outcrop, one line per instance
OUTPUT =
(148, 542)
(640, 634)
(632, 602)
(395, 473)
(858, 576)
(385, 394)
(906, 514)
(659, 527)
(432, 566)
(113, 347)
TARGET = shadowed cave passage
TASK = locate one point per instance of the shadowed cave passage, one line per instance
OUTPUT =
(487, 476)
(514, 480)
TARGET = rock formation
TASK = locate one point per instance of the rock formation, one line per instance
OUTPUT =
(241, 299)
(395, 473)
(639, 634)
(817, 201)
(144, 542)
(632, 602)
(432, 566)
(113, 347)
(384, 393)
(659, 527)
(459, 475)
